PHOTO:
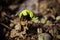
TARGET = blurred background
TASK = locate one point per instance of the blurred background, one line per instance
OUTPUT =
(9, 9)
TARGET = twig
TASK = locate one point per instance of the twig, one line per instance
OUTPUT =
(5, 26)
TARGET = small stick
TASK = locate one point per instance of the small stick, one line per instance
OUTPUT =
(5, 26)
